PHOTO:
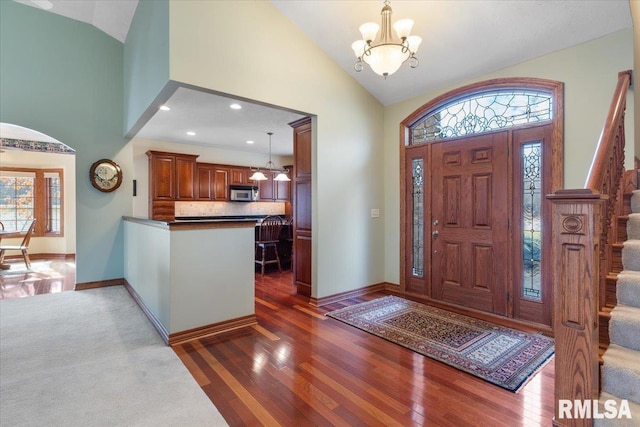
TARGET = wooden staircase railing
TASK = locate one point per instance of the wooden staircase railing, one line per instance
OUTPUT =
(582, 238)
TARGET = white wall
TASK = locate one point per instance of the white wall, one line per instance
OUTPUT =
(29, 159)
(273, 62)
(589, 72)
(635, 14)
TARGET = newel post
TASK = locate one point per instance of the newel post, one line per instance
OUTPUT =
(575, 273)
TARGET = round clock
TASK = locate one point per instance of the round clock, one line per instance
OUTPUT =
(105, 175)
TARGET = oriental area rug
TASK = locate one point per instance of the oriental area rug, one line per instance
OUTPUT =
(503, 356)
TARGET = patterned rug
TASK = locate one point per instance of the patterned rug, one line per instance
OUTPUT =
(502, 356)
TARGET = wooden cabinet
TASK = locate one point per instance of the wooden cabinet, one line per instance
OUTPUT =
(171, 177)
(270, 190)
(239, 176)
(220, 183)
(212, 182)
(204, 181)
(302, 206)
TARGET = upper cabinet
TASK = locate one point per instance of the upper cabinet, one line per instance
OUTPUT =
(178, 177)
(239, 175)
(171, 178)
(212, 182)
(270, 190)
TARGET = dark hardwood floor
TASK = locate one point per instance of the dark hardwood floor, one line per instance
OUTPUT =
(46, 276)
(299, 368)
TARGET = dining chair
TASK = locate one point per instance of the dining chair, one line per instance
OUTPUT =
(268, 237)
(23, 247)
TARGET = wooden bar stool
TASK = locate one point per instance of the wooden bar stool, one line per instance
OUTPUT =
(268, 237)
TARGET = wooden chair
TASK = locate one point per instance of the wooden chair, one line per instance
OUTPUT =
(23, 247)
(268, 237)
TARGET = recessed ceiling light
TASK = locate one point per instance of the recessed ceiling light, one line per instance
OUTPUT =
(235, 106)
(250, 142)
(164, 108)
(191, 133)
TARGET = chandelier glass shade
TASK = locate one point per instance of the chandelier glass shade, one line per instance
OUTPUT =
(259, 174)
(386, 54)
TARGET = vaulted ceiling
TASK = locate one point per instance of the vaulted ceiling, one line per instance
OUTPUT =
(461, 40)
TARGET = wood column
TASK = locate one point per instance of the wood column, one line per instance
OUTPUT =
(576, 227)
(302, 233)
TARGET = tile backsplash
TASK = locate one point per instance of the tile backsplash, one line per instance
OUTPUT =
(228, 208)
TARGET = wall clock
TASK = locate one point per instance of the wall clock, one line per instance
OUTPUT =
(105, 175)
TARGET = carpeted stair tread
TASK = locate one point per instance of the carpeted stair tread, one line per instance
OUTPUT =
(624, 326)
(621, 373)
(617, 422)
(631, 255)
(635, 201)
(628, 288)
(633, 226)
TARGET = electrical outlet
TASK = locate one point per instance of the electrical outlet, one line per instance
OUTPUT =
(375, 213)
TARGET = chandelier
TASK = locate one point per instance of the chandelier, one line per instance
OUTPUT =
(387, 54)
(258, 175)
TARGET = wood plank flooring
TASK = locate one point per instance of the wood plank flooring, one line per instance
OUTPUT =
(46, 276)
(300, 368)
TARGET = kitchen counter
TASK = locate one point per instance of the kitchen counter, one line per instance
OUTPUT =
(191, 277)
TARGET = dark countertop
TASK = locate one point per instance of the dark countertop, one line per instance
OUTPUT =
(196, 222)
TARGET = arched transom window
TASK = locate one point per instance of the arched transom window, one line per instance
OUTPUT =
(483, 112)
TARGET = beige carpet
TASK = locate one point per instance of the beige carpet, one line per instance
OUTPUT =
(91, 358)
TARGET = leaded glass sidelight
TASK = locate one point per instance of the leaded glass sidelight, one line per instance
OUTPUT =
(531, 219)
(483, 112)
(417, 167)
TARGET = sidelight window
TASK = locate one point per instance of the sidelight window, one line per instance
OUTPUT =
(418, 217)
(482, 112)
(531, 219)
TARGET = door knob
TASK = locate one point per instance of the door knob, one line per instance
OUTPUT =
(435, 233)
(436, 222)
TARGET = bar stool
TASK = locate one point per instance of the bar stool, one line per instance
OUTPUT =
(268, 237)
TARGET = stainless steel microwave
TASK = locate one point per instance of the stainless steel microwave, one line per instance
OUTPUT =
(243, 193)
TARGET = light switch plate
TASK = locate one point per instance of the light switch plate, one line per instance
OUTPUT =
(375, 213)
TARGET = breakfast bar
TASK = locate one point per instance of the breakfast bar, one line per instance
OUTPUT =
(192, 278)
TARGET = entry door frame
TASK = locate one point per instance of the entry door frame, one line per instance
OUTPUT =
(552, 161)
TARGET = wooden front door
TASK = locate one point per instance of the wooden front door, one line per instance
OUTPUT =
(469, 222)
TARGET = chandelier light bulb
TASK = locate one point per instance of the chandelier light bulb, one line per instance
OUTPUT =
(369, 31)
(403, 28)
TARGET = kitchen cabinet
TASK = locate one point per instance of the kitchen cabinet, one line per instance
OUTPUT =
(302, 233)
(239, 176)
(171, 178)
(212, 182)
(220, 183)
(270, 190)
(204, 181)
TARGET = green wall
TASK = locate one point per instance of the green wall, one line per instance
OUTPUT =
(65, 78)
(146, 59)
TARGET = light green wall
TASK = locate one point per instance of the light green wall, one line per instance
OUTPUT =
(589, 72)
(272, 61)
(146, 59)
(64, 78)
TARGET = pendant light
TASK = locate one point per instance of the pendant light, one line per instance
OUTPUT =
(258, 175)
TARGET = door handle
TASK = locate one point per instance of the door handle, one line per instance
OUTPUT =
(435, 233)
